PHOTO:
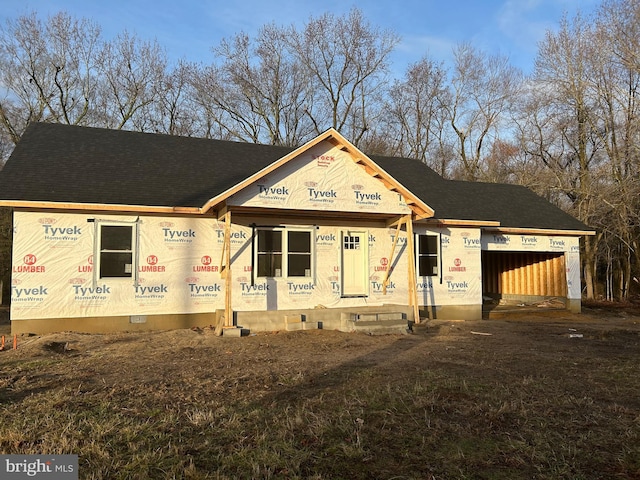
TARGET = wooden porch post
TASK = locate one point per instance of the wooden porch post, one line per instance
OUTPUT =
(411, 271)
(228, 313)
(225, 273)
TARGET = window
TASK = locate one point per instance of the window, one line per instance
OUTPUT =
(299, 253)
(269, 253)
(283, 253)
(351, 242)
(116, 251)
(427, 255)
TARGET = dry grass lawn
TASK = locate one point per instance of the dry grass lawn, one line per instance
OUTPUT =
(527, 397)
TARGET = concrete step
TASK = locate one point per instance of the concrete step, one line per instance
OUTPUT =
(380, 323)
(375, 317)
(235, 332)
(375, 323)
(296, 326)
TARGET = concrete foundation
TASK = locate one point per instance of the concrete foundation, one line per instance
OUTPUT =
(309, 319)
(574, 305)
(112, 324)
(381, 319)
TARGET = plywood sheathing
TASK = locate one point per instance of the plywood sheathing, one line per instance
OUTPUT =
(524, 273)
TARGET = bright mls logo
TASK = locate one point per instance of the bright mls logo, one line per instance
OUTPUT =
(52, 467)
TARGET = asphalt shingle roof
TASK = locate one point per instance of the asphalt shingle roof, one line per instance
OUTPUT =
(512, 205)
(62, 163)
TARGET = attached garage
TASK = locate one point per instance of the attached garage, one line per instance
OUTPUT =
(519, 275)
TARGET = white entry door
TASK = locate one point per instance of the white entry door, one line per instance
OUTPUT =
(355, 263)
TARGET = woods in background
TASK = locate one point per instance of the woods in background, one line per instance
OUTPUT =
(569, 131)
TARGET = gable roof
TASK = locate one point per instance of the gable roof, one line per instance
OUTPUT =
(71, 165)
(417, 205)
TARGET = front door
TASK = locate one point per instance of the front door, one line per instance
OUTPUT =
(355, 264)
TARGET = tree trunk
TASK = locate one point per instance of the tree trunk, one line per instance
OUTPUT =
(590, 245)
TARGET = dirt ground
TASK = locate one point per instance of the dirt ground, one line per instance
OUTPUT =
(535, 394)
(136, 356)
(323, 348)
(595, 321)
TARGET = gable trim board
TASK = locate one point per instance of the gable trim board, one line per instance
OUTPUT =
(188, 269)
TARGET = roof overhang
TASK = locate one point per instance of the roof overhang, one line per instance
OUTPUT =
(540, 231)
(447, 222)
(305, 214)
(493, 226)
(98, 207)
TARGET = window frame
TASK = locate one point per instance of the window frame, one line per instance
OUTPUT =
(99, 251)
(434, 255)
(285, 253)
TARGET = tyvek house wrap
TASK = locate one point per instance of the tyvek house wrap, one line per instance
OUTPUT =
(459, 278)
(177, 269)
(322, 178)
(177, 259)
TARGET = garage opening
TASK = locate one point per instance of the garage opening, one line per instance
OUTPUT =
(524, 276)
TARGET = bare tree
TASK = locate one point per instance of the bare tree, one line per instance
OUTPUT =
(484, 88)
(617, 83)
(47, 71)
(173, 111)
(263, 89)
(562, 126)
(416, 115)
(347, 64)
(132, 77)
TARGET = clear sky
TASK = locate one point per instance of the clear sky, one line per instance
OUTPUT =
(189, 28)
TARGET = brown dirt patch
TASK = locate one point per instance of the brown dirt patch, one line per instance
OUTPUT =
(531, 396)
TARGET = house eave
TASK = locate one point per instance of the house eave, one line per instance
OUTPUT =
(450, 222)
(98, 207)
(540, 231)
